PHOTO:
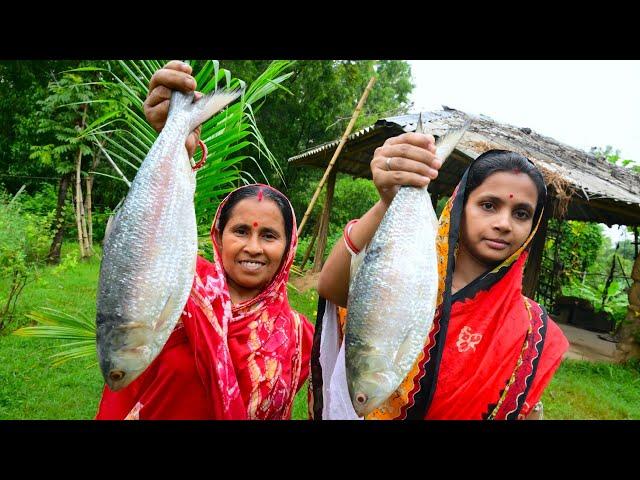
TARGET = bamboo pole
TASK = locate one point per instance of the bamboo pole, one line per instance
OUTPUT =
(343, 140)
(324, 224)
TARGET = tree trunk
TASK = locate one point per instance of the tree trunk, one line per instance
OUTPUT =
(87, 208)
(90, 178)
(79, 207)
(54, 252)
(534, 262)
(81, 221)
(310, 247)
(630, 330)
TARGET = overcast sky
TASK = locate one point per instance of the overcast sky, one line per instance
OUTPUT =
(581, 103)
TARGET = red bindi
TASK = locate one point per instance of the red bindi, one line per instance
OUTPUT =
(260, 194)
(511, 195)
(516, 171)
(255, 224)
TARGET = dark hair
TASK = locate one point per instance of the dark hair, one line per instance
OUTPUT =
(256, 191)
(494, 161)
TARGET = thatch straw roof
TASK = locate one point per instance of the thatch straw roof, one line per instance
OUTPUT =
(596, 190)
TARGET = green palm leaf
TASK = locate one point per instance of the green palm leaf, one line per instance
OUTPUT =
(127, 138)
(224, 134)
(56, 325)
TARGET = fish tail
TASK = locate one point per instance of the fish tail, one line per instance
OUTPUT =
(447, 143)
(206, 107)
(210, 104)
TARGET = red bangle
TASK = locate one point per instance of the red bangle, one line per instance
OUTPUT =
(347, 240)
(199, 165)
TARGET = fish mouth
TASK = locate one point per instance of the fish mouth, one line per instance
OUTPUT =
(118, 379)
(368, 394)
(124, 351)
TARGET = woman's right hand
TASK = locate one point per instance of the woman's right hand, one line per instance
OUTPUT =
(175, 75)
(408, 159)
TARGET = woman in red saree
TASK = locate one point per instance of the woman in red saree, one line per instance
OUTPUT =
(491, 351)
(239, 351)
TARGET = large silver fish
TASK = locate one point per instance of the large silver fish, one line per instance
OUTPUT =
(392, 298)
(149, 253)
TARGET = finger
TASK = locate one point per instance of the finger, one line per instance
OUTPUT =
(173, 80)
(158, 95)
(388, 179)
(422, 140)
(157, 116)
(406, 165)
(411, 152)
(179, 65)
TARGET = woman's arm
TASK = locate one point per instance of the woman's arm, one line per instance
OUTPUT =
(408, 159)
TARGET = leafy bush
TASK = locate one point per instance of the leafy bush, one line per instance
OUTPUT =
(615, 300)
(24, 244)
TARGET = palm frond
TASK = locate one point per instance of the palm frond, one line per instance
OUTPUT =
(57, 325)
(225, 134)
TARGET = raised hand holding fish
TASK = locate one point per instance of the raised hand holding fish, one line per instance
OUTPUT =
(175, 75)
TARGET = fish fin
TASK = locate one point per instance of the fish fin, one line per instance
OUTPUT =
(165, 313)
(404, 348)
(111, 221)
(207, 106)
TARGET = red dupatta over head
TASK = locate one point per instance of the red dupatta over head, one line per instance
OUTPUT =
(249, 359)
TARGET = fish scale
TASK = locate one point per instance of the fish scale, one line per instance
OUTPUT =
(392, 297)
(150, 250)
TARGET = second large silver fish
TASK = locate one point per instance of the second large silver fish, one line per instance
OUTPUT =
(392, 298)
(149, 254)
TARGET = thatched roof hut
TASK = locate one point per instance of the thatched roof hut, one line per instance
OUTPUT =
(599, 191)
(581, 186)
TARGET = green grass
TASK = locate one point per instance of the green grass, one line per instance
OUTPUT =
(69, 289)
(586, 391)
(30, 388)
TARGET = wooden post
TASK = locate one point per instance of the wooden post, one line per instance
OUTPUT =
(310, 247)
(534, 262)
(324, 224)
(628, 347)
(343, 140)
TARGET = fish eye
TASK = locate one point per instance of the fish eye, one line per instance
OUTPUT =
(116, 375)
(361, 398)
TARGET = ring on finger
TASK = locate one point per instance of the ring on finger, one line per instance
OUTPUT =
(389, 163)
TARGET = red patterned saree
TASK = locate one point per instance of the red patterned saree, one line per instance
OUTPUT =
(223, 361)
(489, 354)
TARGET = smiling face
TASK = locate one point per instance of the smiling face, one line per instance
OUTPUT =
(252, 246)
(498, 216)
